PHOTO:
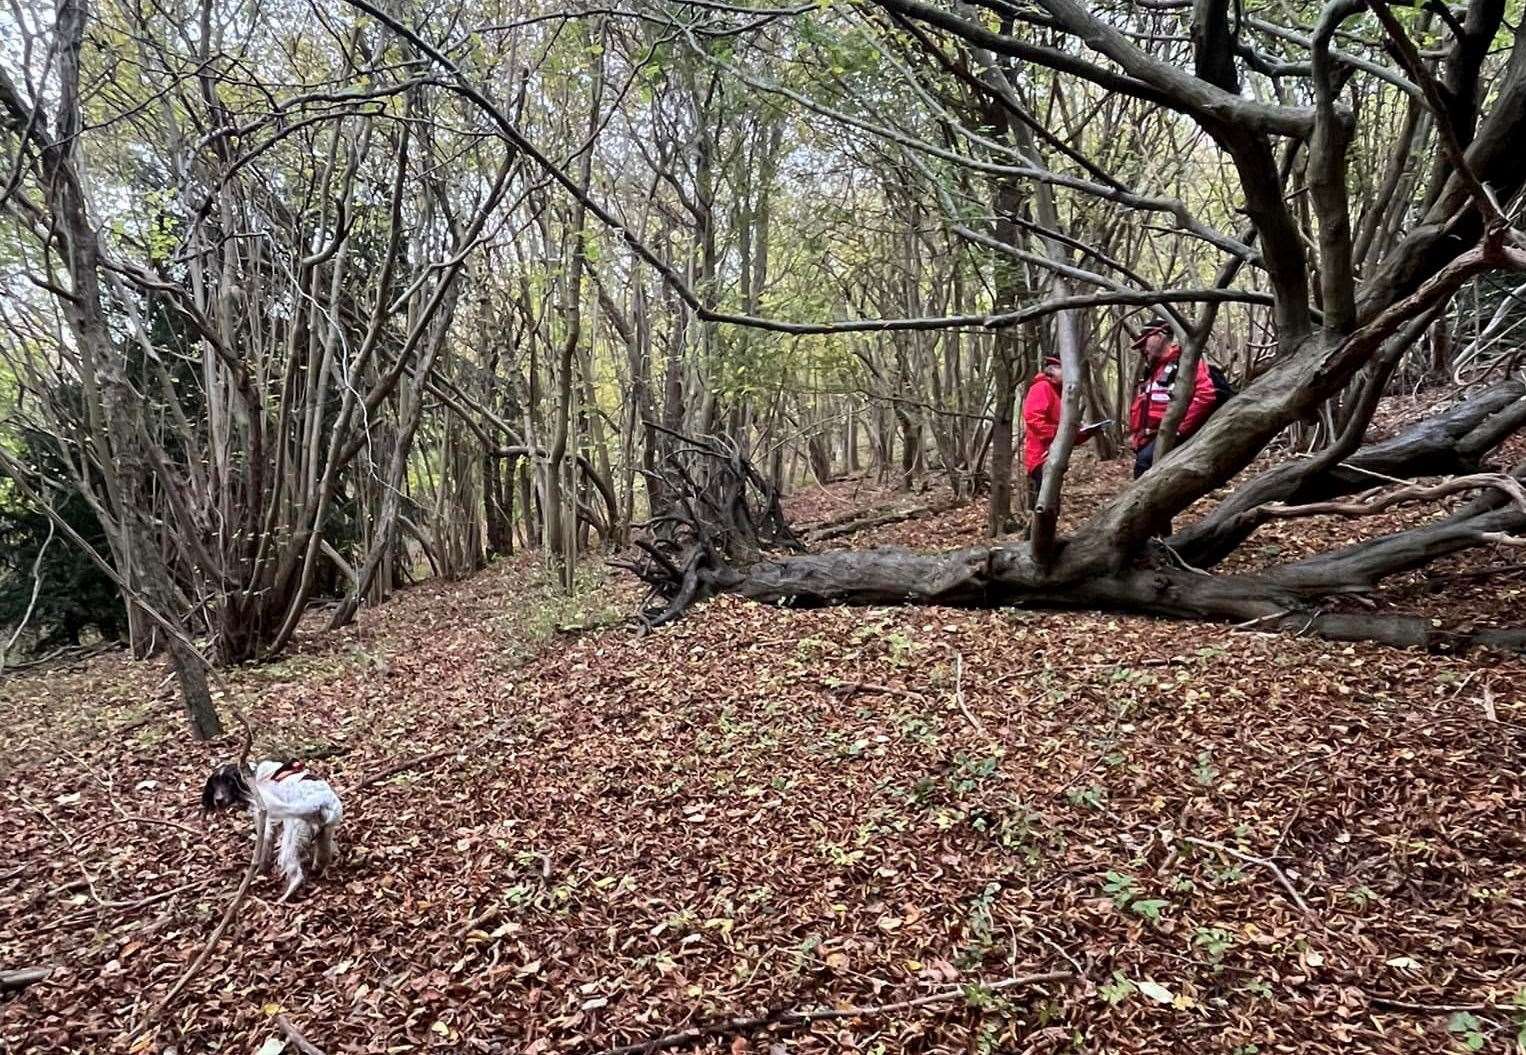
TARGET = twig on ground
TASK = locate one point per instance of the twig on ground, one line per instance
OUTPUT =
(1270, 866)
(959, 695)
(141, 820)
(69, 844)
(870, 519)
(85, 917)
(1303, 800)
(403, 766)
(228, 915)
(1059, 951)
(1067, 668)
(156, 714)
(849, 689)
(293, 1034)
(793, 1018)
(318, 754)
(1296, 766)
(1260, 619)
(1427, 1009)
(64, 654)
(23, 977)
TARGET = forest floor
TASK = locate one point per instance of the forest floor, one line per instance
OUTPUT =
(1207, 839)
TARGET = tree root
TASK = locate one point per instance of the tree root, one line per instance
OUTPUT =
(402, 767)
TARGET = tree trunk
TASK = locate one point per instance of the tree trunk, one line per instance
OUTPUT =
(125, 464)
(999, 508)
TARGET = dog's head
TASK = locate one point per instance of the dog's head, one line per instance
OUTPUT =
(226, 789)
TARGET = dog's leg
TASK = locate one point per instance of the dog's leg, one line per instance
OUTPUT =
(323, 853)
(290, 860)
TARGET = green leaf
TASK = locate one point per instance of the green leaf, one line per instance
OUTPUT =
(1462, 1022)
(1118, 990)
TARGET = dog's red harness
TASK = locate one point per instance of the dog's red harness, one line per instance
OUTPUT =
(286, 770)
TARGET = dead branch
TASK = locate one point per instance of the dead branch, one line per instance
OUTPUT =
(866, 519)
(1427, 1009)
(1270, 866)
(293, 1034)
(964, 709)
(796, 1018)
(1374, 501)
(1501, 538)
(228, 916)
(159, 713)
(141, 820)
(64, 654)
(403, 766)
(850, 689)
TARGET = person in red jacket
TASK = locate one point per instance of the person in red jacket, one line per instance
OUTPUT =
(1041, 423)
(1153, 395)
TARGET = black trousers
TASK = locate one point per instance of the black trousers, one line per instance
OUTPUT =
(1143, 459)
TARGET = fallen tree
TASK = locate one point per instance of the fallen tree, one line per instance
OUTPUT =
(691, 565)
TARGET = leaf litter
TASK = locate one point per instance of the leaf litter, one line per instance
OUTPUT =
(759, 811)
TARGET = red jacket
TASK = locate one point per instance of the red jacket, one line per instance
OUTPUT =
(1154, 395)
(1041, 421)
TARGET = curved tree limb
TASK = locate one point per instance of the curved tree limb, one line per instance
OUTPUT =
(1449, 443)
(1377, 500)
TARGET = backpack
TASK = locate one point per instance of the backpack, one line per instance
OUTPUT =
(1223, 391)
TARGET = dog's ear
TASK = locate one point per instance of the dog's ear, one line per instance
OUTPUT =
(209, 795)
